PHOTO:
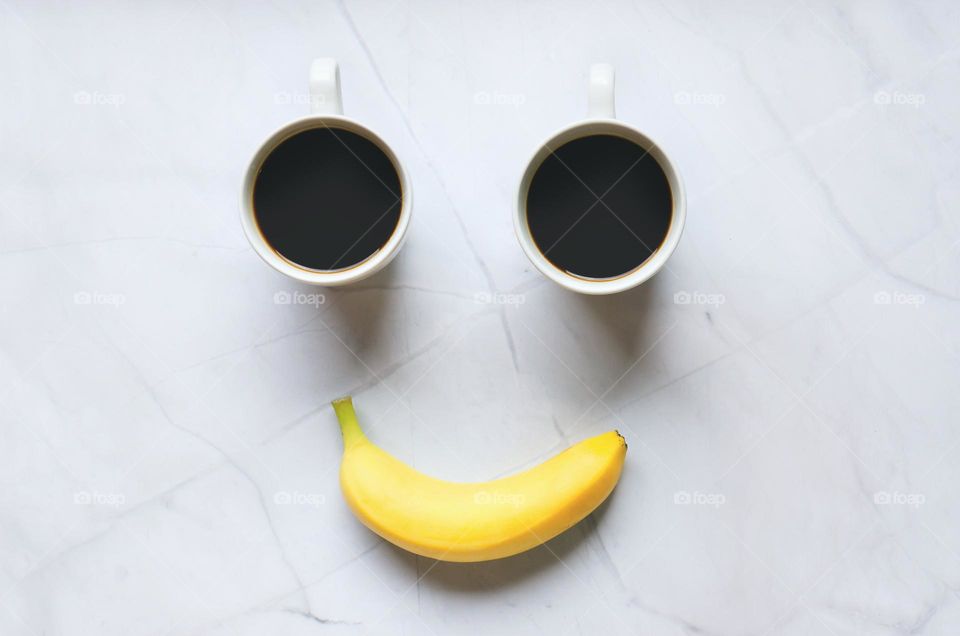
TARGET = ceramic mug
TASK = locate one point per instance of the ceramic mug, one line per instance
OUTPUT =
(601, 121)
(326, 112)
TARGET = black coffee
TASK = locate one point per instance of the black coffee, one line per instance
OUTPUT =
(599, 206)
(327, 198)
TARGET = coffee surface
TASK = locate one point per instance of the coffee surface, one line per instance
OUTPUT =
(327, 198)
(599, 206)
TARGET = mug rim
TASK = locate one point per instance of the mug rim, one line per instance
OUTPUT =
(330, 278)
(657, 259)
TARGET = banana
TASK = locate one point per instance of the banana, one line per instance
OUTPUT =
(473, 521)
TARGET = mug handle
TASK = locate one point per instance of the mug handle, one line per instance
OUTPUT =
(600, 96)
(325, 96)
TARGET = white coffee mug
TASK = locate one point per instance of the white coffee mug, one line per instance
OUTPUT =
(326, 112)
(600, 121)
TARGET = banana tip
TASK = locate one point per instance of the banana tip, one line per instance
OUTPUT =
(342, 400)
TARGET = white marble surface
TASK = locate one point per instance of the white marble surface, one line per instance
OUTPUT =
(158, 407)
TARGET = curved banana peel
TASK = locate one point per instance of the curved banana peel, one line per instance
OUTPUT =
(474, 521)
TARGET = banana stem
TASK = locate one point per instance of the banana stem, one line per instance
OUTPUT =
(349, 426)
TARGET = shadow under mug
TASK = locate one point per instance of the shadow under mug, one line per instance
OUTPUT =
(601, 121)
(326, 113)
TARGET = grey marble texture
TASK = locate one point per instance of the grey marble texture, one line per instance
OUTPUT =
(789, 386)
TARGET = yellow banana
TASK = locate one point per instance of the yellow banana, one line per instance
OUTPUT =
(473, 521)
